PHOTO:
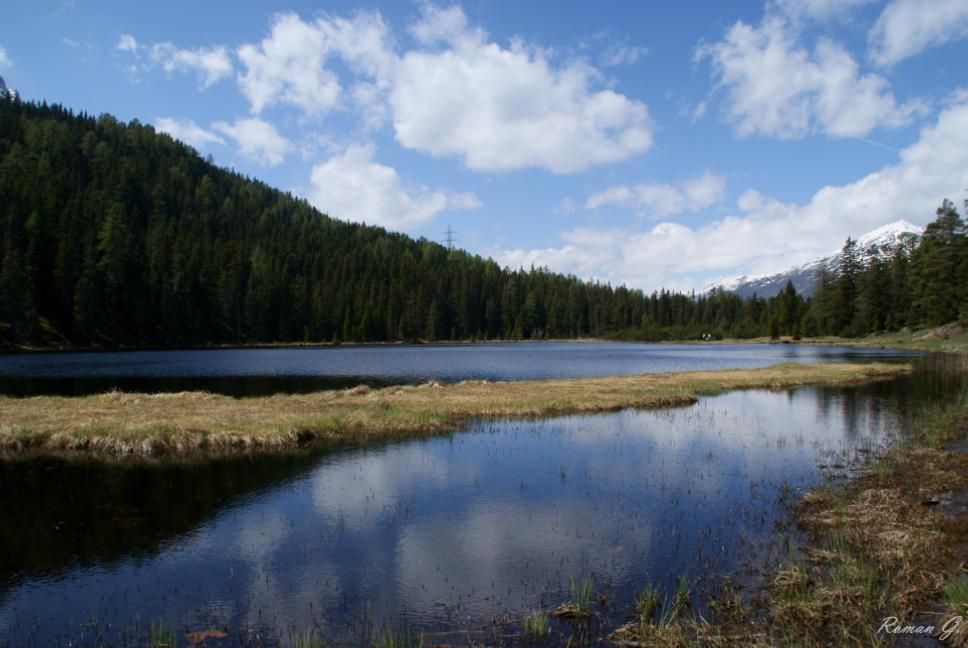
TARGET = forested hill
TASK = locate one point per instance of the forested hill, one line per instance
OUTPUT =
(115, 235)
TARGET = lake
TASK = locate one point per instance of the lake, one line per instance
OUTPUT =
(256, 372)
(456, 535)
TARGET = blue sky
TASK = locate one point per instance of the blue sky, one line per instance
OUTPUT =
(648, 144)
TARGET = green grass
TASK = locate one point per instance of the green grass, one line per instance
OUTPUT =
(307, 639)
(581, 596)
(647, 602)
(683, 590)
(955, 594)
(161, 635)
(535, 624)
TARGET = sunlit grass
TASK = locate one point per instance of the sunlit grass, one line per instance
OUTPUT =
(123, 424)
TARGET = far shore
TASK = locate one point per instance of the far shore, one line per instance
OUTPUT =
(951, 338)
(118, 425)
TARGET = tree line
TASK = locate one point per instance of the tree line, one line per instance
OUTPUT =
(115, 235)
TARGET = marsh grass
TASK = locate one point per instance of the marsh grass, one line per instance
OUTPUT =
(956, 594)
(535, 624)
(580, 604)
(307, 639)
(647, 601)
(877, 545)
(681, 600)
(161, 635)
(148, 425)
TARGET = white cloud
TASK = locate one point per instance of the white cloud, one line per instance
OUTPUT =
(818, 10)
(777, 88)
(211, 63)
(455, 93)
(504, 108)
(623, 55)
(187, 131)
(659, 200)
(443, 26)
(907, 27)
(352, 186)
(289, 65)
(127, 43)
(258, 140)
(767, 235)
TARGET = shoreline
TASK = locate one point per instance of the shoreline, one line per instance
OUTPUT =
(132, 426)
(949, 338)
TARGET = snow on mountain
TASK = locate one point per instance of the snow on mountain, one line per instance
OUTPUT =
(882, 240)
(5, 92)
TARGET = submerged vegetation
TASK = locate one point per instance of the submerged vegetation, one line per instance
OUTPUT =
(144, 425)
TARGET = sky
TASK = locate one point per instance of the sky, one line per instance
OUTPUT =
(647, 144)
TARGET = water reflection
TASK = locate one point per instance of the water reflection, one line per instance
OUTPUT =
(444, 533)
(254, 372)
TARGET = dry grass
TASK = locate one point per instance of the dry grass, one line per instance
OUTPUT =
(146, 425)
(879, 545)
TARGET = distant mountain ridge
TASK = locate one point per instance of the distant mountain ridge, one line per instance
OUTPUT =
(883, 240)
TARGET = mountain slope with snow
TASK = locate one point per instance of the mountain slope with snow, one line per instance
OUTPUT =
(882, 240)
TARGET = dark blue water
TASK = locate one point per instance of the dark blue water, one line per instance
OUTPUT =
(451, 535)
(250, 372)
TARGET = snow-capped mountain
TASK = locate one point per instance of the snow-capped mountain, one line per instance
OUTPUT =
(883, 240)
(5, 92)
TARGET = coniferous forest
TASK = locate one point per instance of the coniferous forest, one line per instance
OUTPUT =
(114, 235)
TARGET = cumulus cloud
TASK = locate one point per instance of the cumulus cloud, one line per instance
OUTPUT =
(289, 66)
(453, 93)
(352, 186)
(776, 87)
(187, 131)
(907, 27)
(257, 140)
(210, 63)
(767, 235)
(660, 200)
(5, 61)
(504, 108)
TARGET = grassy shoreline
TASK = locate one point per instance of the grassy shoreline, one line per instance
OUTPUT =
(121, 425)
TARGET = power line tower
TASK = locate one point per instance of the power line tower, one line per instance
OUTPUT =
(450, 238)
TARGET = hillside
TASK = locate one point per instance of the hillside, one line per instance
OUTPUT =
(116, 235)
(113, 235)
(880, 243)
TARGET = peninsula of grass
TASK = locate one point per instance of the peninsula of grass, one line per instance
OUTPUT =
(132, 425)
